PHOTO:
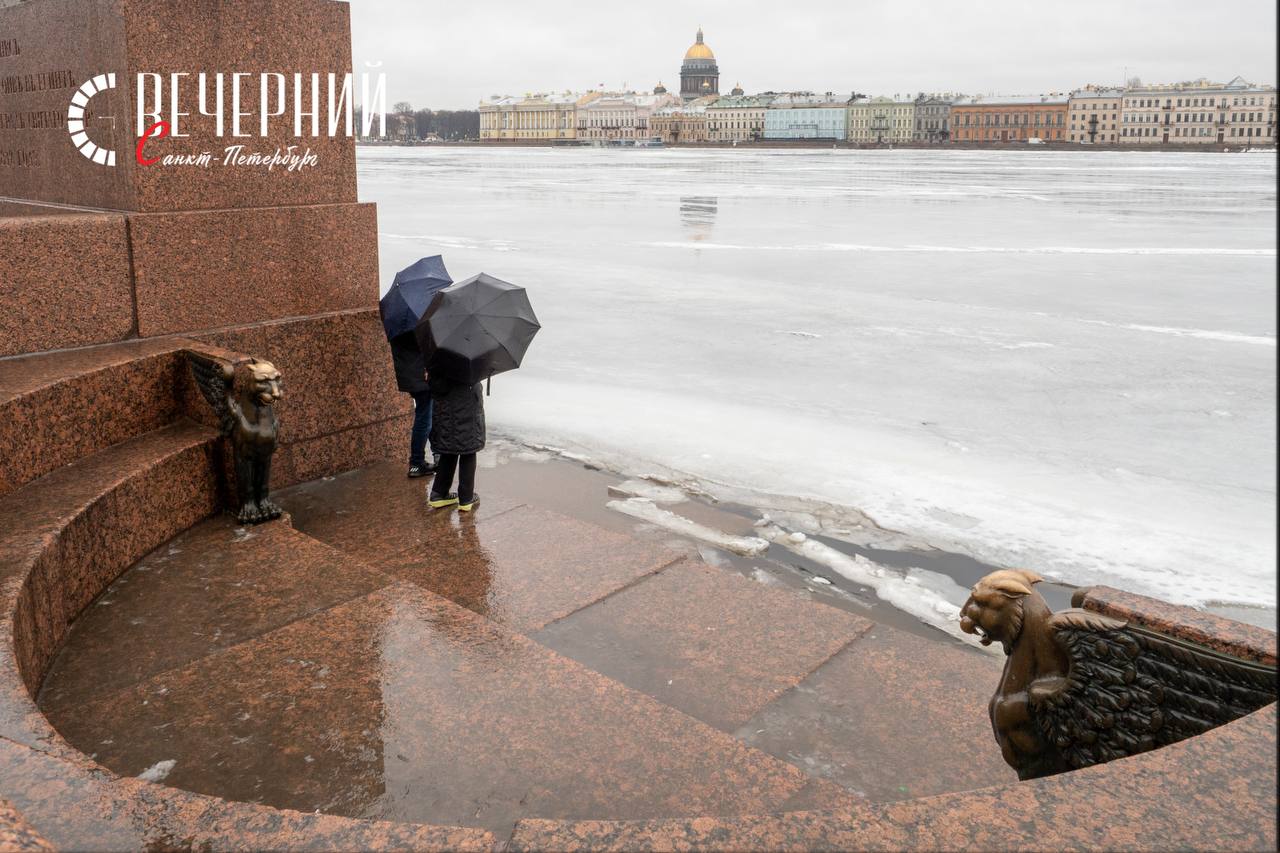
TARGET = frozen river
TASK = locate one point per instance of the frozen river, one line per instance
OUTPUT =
(1063, 361)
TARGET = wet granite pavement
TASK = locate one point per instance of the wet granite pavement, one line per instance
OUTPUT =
(367, 657)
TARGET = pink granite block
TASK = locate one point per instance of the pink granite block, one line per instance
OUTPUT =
(710, 642)
(64, 282)
(206, 270)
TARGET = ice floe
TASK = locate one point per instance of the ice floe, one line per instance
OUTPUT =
(647, 510)
(928, 596)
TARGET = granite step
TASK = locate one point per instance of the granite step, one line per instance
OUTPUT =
(62, 406)
(882, 712)
(75, 806)
(810, 684)
(518, 565)
(211, 587)
(714, 643)
(892, 716)
(400, 705)
(67, 535)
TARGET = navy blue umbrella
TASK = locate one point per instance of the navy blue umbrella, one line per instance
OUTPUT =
(411, 293)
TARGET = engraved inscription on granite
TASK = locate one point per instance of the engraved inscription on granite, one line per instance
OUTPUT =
(48, 49)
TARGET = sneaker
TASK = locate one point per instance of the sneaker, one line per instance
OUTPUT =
(468, 507)
(439, 502)
(424, 470)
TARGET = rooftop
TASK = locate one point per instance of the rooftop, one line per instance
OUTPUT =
(739, 101)
(1011, 100)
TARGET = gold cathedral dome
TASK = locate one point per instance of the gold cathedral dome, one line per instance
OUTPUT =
(699, 50)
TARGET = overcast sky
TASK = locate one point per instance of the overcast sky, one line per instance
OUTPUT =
(450, 55)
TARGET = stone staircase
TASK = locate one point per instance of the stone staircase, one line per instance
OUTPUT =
(366, 673)
(108, 454)
(375, 659)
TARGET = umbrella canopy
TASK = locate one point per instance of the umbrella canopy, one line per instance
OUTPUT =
(476, 329)
(411, 293)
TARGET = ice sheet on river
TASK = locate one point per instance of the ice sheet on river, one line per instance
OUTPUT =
(1058, 360)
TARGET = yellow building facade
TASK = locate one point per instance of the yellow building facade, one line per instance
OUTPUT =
(737, 118)
(881, 120)
(1093, 115)
(534, 117)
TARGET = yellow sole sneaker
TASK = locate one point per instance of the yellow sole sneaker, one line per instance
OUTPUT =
(475, 502)
(441, 503)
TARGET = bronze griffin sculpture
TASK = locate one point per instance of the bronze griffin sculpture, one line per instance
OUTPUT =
(243, 394)
(1080, 688)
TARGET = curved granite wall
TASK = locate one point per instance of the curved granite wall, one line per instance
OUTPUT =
(69, 533)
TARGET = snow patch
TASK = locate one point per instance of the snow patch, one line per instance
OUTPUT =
(925, 595)
(645, 510)
(159, 771)
(655, 492)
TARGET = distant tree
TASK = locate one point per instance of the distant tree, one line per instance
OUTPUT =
(405, 123)
(423, 123)
(401, 122)
(457, 124)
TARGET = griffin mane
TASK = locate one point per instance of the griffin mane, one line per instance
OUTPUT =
(1013, 584)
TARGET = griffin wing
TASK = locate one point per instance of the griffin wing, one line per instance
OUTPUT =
(214, 377)
(1129, 689)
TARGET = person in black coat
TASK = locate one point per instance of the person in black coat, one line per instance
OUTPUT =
(457, 434)
(411, 378)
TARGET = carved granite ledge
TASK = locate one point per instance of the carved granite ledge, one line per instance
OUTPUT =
(1224, 635)
(58, 407)
(1212, 792)
(65, 538)
(85, 279)
(341, 406)
(336, 452)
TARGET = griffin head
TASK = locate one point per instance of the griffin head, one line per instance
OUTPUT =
(993, 610)
(258, 381)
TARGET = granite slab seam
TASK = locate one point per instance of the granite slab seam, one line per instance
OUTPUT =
(608, 595)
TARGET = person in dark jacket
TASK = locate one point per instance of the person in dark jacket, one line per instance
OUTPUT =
(411, 378)
(457, 434)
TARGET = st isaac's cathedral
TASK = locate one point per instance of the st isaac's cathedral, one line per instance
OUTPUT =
(699, 75)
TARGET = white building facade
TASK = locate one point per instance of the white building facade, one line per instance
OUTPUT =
(1199, 112)
(623, 116)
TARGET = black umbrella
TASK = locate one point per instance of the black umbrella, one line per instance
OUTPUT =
(476, 328)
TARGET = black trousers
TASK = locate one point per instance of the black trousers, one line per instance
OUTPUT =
(466, 468)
